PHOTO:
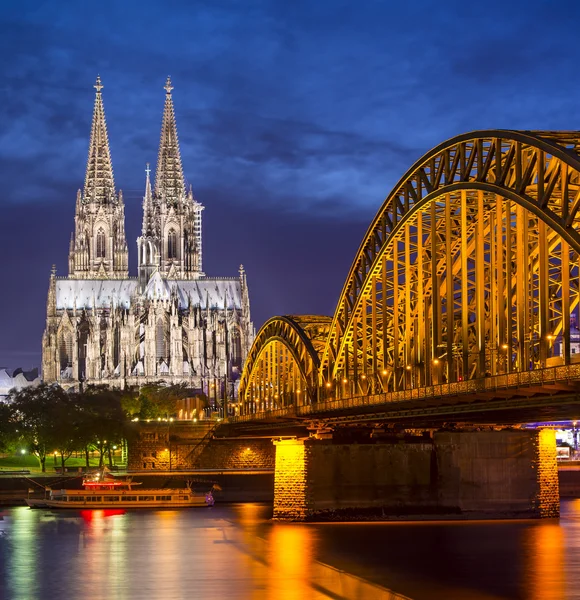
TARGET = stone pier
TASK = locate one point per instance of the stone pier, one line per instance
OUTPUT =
(471, 474)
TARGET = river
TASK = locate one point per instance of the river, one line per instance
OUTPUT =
(235, 551)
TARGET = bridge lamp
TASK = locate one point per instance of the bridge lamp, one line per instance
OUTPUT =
(435, 361)
(408, 367)
(345, 380)
(328, 384)
(384, 371)
(550, 337)
(504, 346)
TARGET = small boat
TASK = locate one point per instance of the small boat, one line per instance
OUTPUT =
(105, 491)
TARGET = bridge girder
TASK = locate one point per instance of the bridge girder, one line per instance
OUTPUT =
(490, 221)
(282, 366)
(471, 268)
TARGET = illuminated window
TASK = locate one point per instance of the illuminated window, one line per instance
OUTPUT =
(172, 244)
(100, 244)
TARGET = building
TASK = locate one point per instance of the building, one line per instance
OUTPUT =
(16, 380)
(171, 322)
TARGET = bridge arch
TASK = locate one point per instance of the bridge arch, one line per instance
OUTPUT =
(281, 369)
(470, 268)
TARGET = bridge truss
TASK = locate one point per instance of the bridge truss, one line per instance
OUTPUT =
(469, 270)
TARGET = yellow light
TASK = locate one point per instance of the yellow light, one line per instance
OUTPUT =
(247, 449)
(384, 371)
(159, 418)
(166, 449)
(195, 420)
(504, 346)
(345, 380)
(364, 377)
(171, 420)
(408, 367)
(328, 384)
(435, 361)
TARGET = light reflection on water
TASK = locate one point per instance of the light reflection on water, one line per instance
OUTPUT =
(236, 552)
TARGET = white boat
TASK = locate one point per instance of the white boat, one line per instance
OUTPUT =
(107, 492)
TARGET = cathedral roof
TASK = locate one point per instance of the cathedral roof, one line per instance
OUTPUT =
(106, 293)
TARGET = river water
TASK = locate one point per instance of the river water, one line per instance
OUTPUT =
(235, 551)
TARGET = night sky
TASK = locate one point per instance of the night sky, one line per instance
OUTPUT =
(295, 121)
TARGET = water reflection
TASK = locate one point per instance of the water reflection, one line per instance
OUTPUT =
(22, 560)
(237, 552)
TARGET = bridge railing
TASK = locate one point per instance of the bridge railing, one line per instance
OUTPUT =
(490, 384)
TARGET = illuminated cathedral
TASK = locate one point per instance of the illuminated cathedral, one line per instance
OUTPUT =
(171, 322)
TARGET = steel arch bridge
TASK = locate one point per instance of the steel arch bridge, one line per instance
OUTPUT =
(469, 270)
(282, 367)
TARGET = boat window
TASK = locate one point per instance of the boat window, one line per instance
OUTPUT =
(146, 498)
(96, 498)
(77, 498)
(130, 498)
(183, 497)
(113, 498)
(163, 497)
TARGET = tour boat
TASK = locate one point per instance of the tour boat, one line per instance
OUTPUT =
(104, 491)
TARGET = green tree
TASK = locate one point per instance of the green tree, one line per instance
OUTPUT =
(46, 419)
(160, 400)
(104, 422)
(8, 428)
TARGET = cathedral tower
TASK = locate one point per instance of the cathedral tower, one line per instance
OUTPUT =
(170, 240)
(98, 248)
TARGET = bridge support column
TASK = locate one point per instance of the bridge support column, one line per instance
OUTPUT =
(508, 473)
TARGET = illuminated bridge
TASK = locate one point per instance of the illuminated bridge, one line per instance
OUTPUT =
(460, 304)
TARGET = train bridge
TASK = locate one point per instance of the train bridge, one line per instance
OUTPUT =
(460, 307)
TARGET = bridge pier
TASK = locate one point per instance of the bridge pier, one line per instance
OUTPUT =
(472, 474)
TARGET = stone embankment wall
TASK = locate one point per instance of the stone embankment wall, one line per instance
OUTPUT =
(471, 473)
(183, 446)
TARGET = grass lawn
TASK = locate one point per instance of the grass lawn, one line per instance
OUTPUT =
(30, 462)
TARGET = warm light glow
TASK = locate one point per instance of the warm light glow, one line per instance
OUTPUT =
(504, 346)
(328, 384)
(364, 377)
(408, 367)
(23, 451)
(384, 371)
(345, 380)
(435, 361)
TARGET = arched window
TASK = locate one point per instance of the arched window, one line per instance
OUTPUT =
(160, 341)
(172, 244)
(100, 244)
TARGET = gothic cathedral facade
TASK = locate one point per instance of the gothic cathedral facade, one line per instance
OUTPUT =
(171, 323)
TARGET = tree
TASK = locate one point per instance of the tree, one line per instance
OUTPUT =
(159, 400)
(8, 430)
(46, 419)
(104, 423)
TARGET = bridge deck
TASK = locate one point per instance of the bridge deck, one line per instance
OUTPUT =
(542, 394)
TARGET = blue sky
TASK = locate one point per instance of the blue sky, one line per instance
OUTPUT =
(295, 119)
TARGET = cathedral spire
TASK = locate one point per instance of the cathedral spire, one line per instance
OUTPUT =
(99, 181)
(148, 227)
(169, 180)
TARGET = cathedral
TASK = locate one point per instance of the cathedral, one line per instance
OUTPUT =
(171, 323)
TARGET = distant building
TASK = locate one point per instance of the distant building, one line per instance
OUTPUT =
(16, 379)
(170, 323)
